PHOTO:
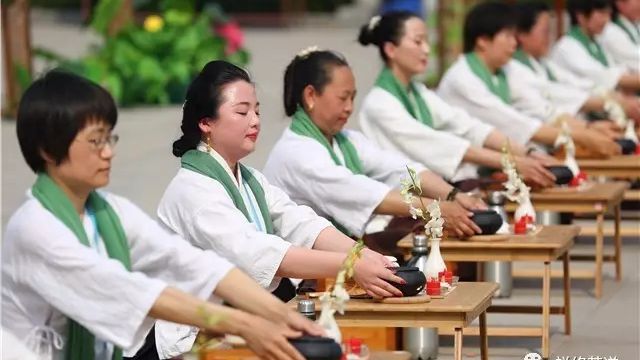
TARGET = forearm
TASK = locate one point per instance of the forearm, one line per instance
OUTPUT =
(630, 82)
(433, 185)
(482, 156)
(497, 140)
(302, 263)
(393, 204)
(593, 103)
(331, 239)
(242, 292)
(546, 135)
(179, 307)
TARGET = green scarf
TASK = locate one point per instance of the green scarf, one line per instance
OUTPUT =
(624, 27)
(593, 48)
(523, 58)
(203, 163)
(303, 125)
(501, 89)
(80, 342)
(388, 82)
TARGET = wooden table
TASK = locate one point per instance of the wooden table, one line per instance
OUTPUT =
(551, 243)
(597, 199)
(623, 166)
(456, 311)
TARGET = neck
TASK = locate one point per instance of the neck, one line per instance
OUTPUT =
(527, 52)
(585, 30)
(231, 161)
(400, 75)
(484, 58)
(78, 197)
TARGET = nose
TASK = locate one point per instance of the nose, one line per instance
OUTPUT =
(426, 48)
(107, 152)
(255, 120)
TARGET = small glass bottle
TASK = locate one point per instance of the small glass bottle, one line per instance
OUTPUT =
(307, 308)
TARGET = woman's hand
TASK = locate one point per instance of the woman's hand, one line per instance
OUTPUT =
(470, 202)
(607, 128)
(533, 171)
(371, 273)
(268, 340)
(458, 220)
(599, 145)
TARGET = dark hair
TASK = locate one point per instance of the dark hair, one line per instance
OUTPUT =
(389, 28)
(615, 13)
(203, 100)
(53, 110)
(310, 69)
(527, 14)
(585, 7)
(486, 19)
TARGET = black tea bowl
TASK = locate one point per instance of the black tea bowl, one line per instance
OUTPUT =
(488, 221)
(317, 347)
(413, 276)
(562, 173)
(627, 145)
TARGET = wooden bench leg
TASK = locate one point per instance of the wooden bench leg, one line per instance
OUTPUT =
(617, 237)
(546, 304)
(457, 344)
(484, 341)
(599, 251)
(567, 293)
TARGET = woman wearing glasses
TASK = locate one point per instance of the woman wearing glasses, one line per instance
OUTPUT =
(85, 273)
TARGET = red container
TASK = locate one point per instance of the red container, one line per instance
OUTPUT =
(433, 287)
(448, 277)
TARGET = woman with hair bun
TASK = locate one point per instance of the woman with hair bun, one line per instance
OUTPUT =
(401, 114)
(338, 172)
(217, 203)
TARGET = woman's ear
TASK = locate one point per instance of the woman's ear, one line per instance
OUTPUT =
(309, 95)
(389, 50)
(48, 160)
(205, 125)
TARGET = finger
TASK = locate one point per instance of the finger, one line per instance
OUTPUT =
(382, 289)
(469, 228)
(390, 288)
(286, 349)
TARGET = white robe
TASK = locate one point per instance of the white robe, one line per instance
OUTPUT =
(564, 96)
(303, 168)
(571, 55)
(440, 148)
(48, 276)
(462, 88)
(199, 209)
(617, 43)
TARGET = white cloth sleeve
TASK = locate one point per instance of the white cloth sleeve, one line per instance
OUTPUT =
(387, 122)
(95, 291)
(570, 54)
(473, 95)
(297, 224)
(199, 209)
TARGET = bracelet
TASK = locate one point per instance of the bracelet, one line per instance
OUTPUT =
(451, 196)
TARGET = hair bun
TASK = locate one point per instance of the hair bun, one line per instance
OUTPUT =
(367, 31)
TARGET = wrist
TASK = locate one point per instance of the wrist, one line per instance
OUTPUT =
(451, 196)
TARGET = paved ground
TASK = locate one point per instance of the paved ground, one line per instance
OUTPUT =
(144, 166)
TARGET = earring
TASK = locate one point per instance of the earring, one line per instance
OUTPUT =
(209, 148)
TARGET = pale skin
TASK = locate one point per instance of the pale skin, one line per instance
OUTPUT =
(330, 110)
(260, 318)
(536, 43)
(233, 134)
(409, 58)
(496, 52)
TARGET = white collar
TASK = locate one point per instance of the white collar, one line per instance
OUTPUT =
(202, 146)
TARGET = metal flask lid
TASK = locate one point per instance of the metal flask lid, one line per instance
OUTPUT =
(496, 198)
(306, 306)
(419, 241)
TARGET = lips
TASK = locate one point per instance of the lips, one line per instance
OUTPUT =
(252, 137)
